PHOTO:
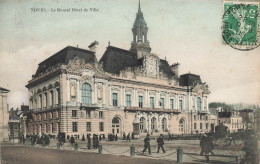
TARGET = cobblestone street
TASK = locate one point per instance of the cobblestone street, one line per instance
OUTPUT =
(121, 149)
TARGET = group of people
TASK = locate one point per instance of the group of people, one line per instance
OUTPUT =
(37, 139)
(112, 137)
(127, 137)
(160, 143)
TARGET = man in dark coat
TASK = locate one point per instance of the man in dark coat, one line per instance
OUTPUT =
(124, 136)
(89, 141)
(72, 140)
(133, 135)
(160, 143)
(147, 144)
(94, 141)
(206, 145)
(128, 137)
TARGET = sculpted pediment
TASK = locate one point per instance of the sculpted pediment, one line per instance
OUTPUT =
(200, 88)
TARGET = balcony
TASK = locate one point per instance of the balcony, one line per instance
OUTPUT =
(134, 109)
(85, 106)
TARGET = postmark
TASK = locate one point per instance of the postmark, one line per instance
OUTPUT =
(241, 24)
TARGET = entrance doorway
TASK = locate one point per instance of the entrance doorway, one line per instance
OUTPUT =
(116, 128)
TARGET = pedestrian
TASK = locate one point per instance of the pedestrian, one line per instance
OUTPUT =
(160, 143)
(103, 137)
(124, 136)
(72, 140)
(83, 138)
(169, 136)
(128, 137)
(116, 137)
(147, 144)
(206, 145)
(172, 137)
(89, 141)
(94, 141)
(133, 135)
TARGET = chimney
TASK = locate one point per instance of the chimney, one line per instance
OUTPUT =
(175, 68)
(92, 47)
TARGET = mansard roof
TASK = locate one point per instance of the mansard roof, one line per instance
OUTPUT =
(63, 57)
(115, 59)
(165, 68)
(189, 79)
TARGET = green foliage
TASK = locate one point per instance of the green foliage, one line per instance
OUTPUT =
(219, 104)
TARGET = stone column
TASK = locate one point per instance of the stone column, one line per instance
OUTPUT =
(68, 89)
(78, 92)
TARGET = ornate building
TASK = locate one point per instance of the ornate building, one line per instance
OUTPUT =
(125, 91)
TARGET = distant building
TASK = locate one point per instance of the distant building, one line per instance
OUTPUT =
(125, 91)
(249, 118)
(4, 115)
(231, 119)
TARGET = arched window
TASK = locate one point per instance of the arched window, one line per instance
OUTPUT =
(153, 123)
(182, 125)
(142, 124)
(86, 93)
(199, 103)
(115, 120)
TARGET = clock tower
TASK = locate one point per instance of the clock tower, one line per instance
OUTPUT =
(140, 44)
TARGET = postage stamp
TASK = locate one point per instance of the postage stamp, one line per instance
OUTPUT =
(241, 24)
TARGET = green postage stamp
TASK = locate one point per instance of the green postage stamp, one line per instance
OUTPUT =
(240, 26)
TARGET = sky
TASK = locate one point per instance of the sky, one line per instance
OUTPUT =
(187, 32)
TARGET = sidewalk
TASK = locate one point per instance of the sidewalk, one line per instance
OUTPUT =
(191, 150)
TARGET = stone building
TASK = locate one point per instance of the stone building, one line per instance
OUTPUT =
(4, 116)
(125, 91)
(231, 119)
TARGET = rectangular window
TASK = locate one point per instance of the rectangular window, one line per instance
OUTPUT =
(128, 100)
(40, 101)
(52, 128)
(74, 113)
(51, 98)
(88, 126)
(74, 127)
(46, 99)
(114, 99)
(101, 126)
(162, 102)
(101, 114)
(140, 98)
(172, 103)
(207, 126)
(88, 114)
(180, 104)
(195, 126)
(195, 117)
(200, 125)
(151, 102)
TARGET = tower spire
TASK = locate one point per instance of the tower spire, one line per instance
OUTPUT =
(139, 7)
(140, 30)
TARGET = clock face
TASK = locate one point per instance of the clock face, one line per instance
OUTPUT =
(151, 67)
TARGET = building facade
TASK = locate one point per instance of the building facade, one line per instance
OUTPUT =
(4, 116)
(125, 91)
(231, 119)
